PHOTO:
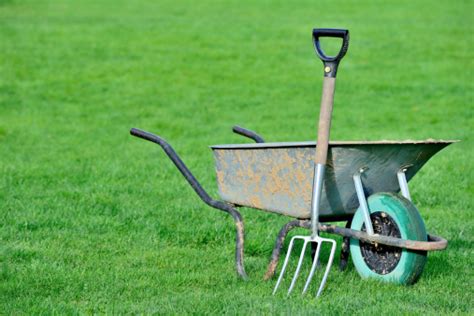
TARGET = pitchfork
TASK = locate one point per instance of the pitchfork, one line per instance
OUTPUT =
(330, 69)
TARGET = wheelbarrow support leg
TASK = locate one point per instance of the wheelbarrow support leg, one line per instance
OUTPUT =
(363, 200)
(345, 249)
(205, 197)
(302, 224)
(279, 244)
(403, 183)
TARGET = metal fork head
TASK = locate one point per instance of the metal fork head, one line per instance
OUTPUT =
(307, 240)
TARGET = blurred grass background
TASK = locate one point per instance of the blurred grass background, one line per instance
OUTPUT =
(95, 221)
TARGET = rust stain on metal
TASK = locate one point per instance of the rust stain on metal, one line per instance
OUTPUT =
(255, 201)
(220, 176)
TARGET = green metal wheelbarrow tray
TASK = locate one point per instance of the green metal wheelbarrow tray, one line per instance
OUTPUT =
(365, 185)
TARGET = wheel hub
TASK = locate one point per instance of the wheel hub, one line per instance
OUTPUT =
(379, 258)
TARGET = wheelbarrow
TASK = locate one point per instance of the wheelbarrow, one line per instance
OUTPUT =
(365, 185)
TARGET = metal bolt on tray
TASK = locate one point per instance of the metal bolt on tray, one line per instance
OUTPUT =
(363, 183)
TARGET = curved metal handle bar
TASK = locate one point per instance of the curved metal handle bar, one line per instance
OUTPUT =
(182, 168)
(434, 243)
(247, 133)
(205, 197)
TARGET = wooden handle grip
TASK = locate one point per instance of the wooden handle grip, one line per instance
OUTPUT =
(324, 126)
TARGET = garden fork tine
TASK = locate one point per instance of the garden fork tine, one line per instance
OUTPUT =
(327, 101)
(315, 264)
(285, 263)
(317, 186)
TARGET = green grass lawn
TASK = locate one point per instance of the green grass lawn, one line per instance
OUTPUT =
(93, 220)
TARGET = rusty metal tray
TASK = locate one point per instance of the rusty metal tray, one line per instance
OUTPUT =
(277, 177)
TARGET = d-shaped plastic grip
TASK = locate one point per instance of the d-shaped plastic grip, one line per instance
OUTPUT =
(330, 62)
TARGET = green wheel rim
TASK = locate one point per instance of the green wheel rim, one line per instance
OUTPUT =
(411, 226)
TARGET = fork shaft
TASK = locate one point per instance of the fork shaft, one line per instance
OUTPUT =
(324, 125)
(315, 201)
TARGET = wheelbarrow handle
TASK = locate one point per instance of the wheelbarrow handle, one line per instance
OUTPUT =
(247, 133)
(147, 136)
(330, 62)
(205, 197)
(171, 153)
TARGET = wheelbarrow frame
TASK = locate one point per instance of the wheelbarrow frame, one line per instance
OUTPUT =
(434, 242)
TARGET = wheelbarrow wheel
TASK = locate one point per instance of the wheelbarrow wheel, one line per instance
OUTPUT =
(391, 215)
